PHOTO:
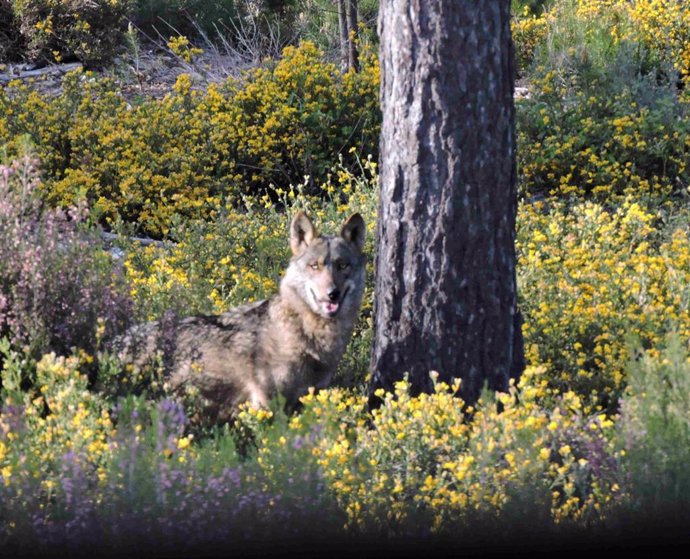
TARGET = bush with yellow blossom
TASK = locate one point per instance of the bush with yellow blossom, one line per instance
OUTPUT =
(591, 280)
(145, 161)
(91, 30)
(431, 464)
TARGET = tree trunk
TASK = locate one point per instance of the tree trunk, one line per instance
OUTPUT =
(344, 36)
(352, 31)
(445, 294)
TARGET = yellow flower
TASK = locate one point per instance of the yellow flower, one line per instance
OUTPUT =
(6, 473)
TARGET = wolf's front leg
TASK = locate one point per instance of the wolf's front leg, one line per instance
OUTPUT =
(257, 396)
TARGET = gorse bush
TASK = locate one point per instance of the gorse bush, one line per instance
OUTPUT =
(599, 276)
(576, 42)
(58, 433)
(660, 27)
(590, 33)
(90, 30)
(540, 457)
(180, 155)
(58, 288)
(583, 269)
(603, 141)
(530, 461)
(594, 126)
(92, 474)
(601, 122)
(529, 7)
(529, 31)
(426, 467)
(605, 115)
(430, 465)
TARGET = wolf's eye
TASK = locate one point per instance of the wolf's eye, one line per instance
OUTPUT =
(343, 265)
(314, 265)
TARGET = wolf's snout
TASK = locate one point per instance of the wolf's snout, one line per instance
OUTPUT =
(334, 295)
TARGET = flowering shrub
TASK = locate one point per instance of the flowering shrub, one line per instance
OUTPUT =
(53, 449)
(662, 27)
(181, 47)
(58, 288)
(416, 467)
(592, 127)
(91, 30)
(182, 154)
(539, 457)
(529, 30)
(588, 278)
(605, 115)
(603, 142)
(79, 476)
(593, 30)
(430, 465)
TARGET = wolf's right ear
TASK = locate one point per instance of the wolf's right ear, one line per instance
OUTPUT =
(302, 232)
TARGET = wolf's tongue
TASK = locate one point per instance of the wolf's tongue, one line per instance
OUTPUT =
(330, 307)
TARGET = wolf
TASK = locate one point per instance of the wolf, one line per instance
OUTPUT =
(282, 345)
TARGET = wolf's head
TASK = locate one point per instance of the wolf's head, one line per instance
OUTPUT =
(326, 272)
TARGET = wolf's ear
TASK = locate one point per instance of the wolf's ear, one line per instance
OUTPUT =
(354, 231)
(302, 232)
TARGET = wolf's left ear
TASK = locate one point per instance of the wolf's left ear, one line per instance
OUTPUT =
(302, 232)
(354, 231)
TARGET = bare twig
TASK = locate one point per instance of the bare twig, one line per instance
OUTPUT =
(54, 69)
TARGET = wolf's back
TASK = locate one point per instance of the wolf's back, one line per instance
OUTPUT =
(217, 354)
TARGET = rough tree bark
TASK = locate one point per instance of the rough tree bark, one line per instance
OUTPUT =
(344, 36)
(445, 295)
(347, 26)
(352, 30)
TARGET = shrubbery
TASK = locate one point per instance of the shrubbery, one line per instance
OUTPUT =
(594, 126)
(603, 142)
(602, 120)
(90, 30)
(530, 462)
(58, 288)
(182, 154)
(529, 30)
(552, 32)
(655, 432)
(540, 457)
(599, 276)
